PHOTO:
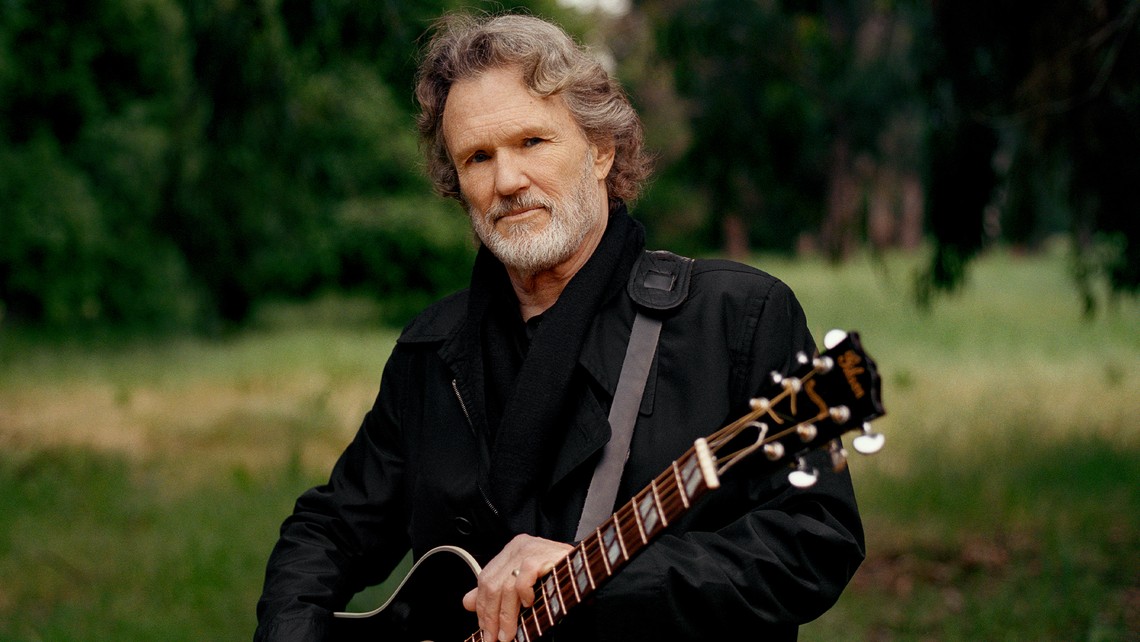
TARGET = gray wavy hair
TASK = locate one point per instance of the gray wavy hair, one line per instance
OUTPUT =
(463, 46)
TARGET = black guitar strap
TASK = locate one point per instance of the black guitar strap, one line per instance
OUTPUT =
(659, 283)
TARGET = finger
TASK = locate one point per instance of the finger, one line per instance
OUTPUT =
(488, 616)
(470, 599)
(524, 588)
(495, 593)
(508, 617)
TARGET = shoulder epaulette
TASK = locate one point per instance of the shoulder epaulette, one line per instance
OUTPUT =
(660, 280)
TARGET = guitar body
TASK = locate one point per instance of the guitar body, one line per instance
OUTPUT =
(426, 606)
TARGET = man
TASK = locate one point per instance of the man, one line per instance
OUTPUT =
(492, 410)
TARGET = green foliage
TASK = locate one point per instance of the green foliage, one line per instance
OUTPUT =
(173, 164)
(778, 99)
(67, 261)
(168, 164)
(744, 80)
(1035, 107)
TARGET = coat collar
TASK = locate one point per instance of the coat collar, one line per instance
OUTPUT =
(601, 359)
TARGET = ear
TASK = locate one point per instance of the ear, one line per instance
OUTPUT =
(603, 159)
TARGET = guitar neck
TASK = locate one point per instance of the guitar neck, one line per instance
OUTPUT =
(806, 409)
(614, 542)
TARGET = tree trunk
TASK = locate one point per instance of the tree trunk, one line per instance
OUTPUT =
(735, 237)
(837, 234)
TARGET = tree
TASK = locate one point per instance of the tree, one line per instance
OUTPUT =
(84, 128)
(1051, 88)
(172, 163)
(799, 119)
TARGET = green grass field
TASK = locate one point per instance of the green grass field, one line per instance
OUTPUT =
(143, 482)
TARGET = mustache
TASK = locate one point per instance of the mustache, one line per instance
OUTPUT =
(514, 204)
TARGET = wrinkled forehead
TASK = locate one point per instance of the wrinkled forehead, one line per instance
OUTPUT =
(497, 106)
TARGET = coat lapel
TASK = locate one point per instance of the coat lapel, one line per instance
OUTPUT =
(600, 360)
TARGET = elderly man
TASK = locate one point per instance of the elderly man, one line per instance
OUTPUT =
(497, 402)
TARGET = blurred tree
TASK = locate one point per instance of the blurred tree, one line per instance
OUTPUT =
(174, 162)
(795, 112)
(84, 127)
(750, 118)
(1036, 123)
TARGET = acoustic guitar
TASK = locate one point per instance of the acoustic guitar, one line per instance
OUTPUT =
(806, 409)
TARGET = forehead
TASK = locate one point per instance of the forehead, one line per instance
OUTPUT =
(496, 106)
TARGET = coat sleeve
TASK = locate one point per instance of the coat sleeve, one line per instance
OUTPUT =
(343, 535)
(778, 557)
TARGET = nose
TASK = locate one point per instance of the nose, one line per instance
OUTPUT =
(511, 174)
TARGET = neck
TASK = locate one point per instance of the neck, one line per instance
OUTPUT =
(538, 291)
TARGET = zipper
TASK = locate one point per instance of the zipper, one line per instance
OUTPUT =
(462, 406)
(471, 425)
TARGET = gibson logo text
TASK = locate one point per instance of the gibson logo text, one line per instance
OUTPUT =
(849, 362)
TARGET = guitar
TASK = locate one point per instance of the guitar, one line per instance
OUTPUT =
(803, 410)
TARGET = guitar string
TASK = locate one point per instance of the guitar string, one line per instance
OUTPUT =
(671, 500)
(669, 495)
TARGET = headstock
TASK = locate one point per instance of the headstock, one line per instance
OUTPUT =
(808, 408)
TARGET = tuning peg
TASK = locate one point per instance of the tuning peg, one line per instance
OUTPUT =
(803, 476)
(838, 455)
(824, 364)
(807, 432)
(834, 338)
(868, 442)
(840, 414)
(774, 451)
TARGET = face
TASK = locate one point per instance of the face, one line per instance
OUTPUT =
(532, 183)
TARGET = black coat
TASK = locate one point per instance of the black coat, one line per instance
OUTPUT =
(757, 555)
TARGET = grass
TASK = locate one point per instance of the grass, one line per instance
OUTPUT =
(143, 482)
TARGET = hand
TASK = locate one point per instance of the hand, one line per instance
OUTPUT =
(507, 582)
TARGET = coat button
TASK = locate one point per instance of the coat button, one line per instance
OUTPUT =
(464, 526)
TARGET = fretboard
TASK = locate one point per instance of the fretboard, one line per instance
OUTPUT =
(614, 542)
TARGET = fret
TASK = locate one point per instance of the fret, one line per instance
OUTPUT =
(586, 563)
(630, 530)
(537, 627)
(529, 616)
(677, 481)
(555, 605)
(692, 476)
(570, 577)
(657, 500)
(611, 543)
(580, 574)
(640, 525)
(543, 604)
(648, 510)
(605, 550)
(559, 585)
(596, 561)
(620, 537)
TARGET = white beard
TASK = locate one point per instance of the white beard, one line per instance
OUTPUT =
(528, 251)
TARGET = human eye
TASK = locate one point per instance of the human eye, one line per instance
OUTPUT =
(533, 140)
(478, 157)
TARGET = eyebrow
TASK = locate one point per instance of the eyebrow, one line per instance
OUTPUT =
(513, 133)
